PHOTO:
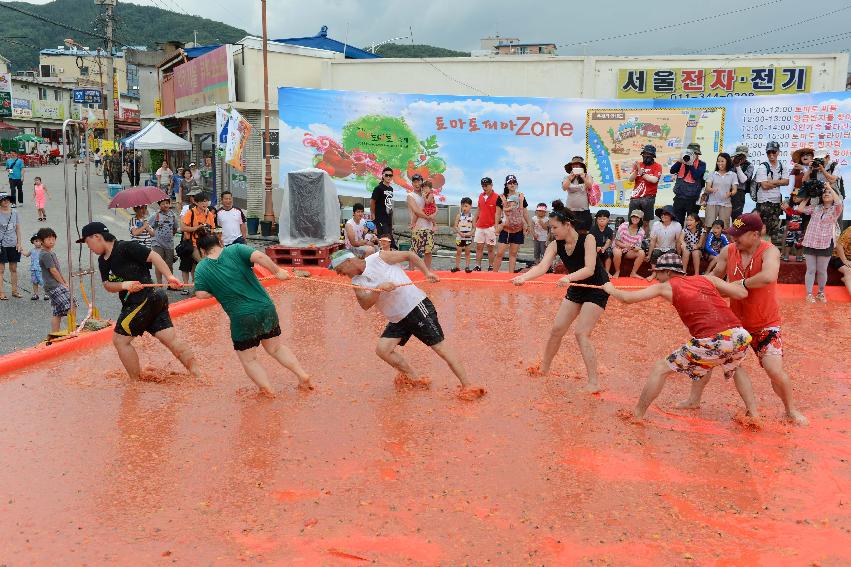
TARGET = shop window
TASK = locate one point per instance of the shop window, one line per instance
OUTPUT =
(58, 96)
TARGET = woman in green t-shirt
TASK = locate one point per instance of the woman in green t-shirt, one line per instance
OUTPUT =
(227, 275)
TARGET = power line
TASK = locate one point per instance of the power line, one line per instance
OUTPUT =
(775, 30)
(670, 26)
(447, 75)
(55, 23)
(790, 46)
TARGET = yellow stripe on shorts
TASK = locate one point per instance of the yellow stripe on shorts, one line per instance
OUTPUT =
(125, 324)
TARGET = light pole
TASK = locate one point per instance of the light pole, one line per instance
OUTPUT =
(268, 206)
(112, 99)
(377, 45)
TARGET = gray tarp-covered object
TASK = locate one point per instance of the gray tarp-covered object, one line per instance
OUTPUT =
(310, 209)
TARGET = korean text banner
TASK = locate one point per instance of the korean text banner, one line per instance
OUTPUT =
(455, 141)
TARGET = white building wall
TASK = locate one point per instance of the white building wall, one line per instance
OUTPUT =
(548, 76)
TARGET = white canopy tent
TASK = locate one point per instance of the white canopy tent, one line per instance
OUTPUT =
(155, 136)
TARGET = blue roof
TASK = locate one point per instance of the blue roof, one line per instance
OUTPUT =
(193, 52)
(322, 41)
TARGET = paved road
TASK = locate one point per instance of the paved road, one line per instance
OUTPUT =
(26, 322)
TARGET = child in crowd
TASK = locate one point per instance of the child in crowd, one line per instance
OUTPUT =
(541, 231)
(369, 235)
(40, 198)
(716, 240)
(384, 241)
(35, 267)
(463, 234)
(794, 232)
(604, 236)
(55, 285)
(429, 207)
(692, 239)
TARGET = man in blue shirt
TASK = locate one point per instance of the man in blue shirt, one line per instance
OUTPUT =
(689, 184)
(15, 169)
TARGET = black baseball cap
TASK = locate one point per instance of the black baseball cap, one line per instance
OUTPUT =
(487, 181)
(91, 229)
(417, 177)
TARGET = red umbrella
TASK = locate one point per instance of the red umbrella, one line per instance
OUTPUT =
(136, 196)
(5, 126)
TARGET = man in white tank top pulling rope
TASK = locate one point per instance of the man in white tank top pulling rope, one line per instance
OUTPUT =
(408, 310)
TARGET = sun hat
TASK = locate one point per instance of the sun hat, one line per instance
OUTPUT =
(741, 149)
(538, 208)
(666, 210)
(749, 222)
(670, 261)
(637, 213)
(511, 178)
(339, 257)
(694, 147)
(649, 149)
(797, 154)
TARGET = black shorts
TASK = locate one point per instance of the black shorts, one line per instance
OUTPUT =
(511, 237)
(151, 315)
(582, 295)
(646, 205)
(187, 262)
(255, 341)
(421, 322)
(9, 255)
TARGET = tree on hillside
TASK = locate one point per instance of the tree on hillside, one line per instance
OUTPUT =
(414, 51)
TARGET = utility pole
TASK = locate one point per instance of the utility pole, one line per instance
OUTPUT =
(112, 99)
(269, 206)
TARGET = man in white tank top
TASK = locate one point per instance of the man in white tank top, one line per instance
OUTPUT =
(408, 310)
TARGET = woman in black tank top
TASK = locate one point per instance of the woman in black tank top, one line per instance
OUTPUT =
(578, 252)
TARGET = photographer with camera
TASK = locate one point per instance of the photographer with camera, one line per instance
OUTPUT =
(689, 171)
(770, 177)
(826, 172)
(745, 174)
(197, 221)
(824, 207)
(646, 176)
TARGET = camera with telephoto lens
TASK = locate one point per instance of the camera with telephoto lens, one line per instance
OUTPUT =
(811, 189)
(817, 164)
(688, 157)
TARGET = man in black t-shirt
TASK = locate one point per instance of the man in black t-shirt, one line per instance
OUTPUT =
(381, 205)
(124, 269)
(605, 236)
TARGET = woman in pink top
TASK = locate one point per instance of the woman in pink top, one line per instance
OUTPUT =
(819, 239)
(40, 198)
(628, 243)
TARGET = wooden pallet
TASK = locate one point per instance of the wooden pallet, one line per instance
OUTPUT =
(310, 256)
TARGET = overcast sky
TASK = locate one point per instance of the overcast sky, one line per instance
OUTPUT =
(459, 24)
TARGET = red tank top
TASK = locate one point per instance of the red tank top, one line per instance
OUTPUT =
(761, 308)
(701, 307)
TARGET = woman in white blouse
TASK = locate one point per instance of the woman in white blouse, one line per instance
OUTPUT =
(721, 185)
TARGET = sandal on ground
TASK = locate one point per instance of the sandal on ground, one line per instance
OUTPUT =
(17, 295)
(478, 268)
(467, 269)
(3, 297)
(184, 292)
(34, 297)
(46, 298)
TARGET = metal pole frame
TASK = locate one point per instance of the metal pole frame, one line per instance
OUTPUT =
(84, 125)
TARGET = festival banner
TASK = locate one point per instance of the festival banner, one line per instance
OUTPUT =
(713, 82)
(222, 122)
(206, 80)
(239, 129)
(455, 141)
(5, 95)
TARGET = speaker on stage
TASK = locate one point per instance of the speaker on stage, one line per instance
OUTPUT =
(310, 209)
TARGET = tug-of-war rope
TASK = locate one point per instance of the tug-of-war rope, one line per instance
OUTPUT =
(306, 276)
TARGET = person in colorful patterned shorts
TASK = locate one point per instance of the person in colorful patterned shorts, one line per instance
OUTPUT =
(718, 338)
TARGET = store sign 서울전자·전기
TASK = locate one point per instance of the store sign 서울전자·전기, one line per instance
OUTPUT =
(710, 82)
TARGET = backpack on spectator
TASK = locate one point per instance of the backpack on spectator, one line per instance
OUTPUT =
(748, 188)
(840, 183)
(769, 173)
